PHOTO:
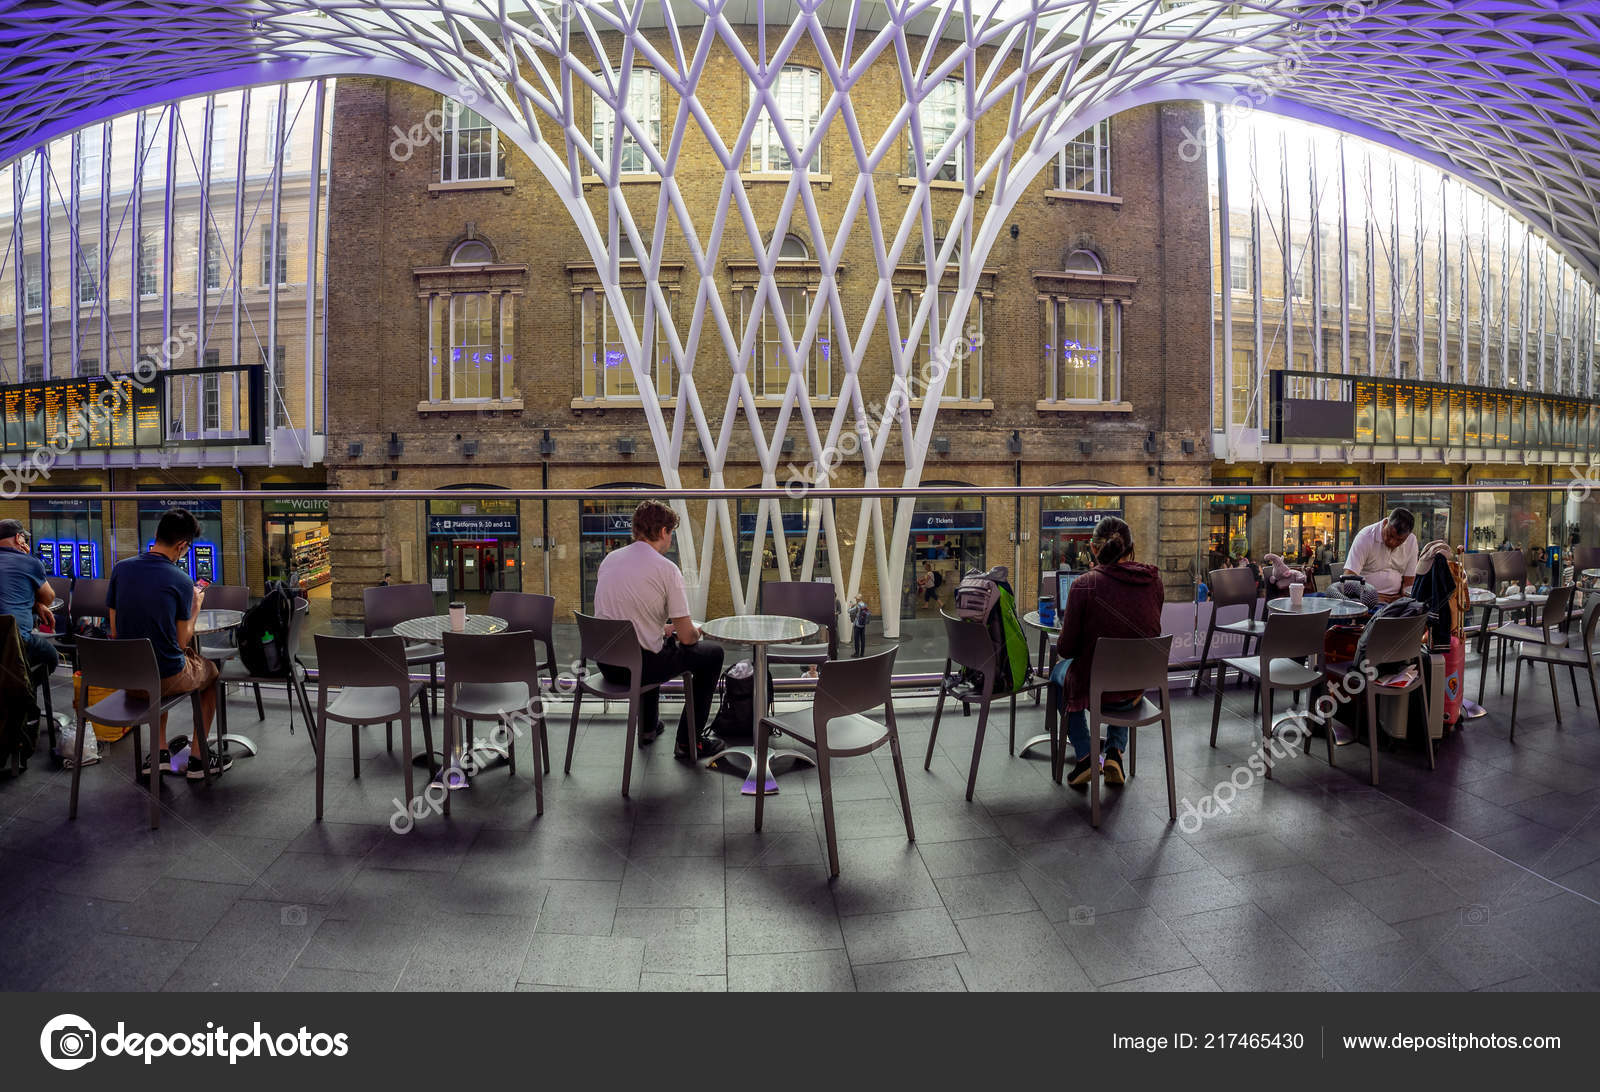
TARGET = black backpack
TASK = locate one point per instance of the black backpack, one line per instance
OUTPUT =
(264, 633)
(735, 719)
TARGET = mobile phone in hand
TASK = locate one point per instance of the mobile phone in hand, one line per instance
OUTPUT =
(203, 583)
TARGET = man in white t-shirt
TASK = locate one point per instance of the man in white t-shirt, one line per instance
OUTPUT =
(1384, 554)
(638, 584)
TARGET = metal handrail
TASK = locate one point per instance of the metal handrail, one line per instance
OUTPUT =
(817, 492)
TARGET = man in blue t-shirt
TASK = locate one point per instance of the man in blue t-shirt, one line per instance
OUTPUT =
(24, 593)
(151, 596)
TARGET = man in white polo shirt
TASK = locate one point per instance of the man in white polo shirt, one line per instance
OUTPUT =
(638, 584)
(1384, 554)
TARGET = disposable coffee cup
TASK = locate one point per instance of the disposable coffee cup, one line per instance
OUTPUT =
(1297, 594)
(1047, 609)
(458, 617)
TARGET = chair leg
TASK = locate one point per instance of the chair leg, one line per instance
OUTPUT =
(1011, 747)
(1594, 688)
(538, 767)
(405, 757)
(261, 712)
(388, 737)
(1516, 690)
(572, 733)
(1555, 692)
(158, 741)
(77, 764)
(1572, 675)
(900, 780)
(633, 730)
(1094, 772)
(1133, 751)
(1266, 693)
(433, 685)
(321, 735)
(1372, 731)
(1205, 655)
(933, 733)
(355, 751)
(977, 746)
(825, 781)
(1216, 714)
(759, 769)
(1166, 746)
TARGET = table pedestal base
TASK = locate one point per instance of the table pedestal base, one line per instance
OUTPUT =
(226, 742)
(744, 759)
(1036, 741)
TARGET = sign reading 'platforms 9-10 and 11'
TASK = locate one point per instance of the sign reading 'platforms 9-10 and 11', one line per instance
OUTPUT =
(1309, 407)
(114, 413)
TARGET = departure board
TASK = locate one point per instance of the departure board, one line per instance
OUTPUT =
(102, 414)
(1366, 395)
(1441, 416)
(1385, 415)
(1402, 414)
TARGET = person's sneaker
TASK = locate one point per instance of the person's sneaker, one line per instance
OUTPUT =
(220, 763)
(1111, 768)
(648, 736)
(1079, 777)
(708, 745)
(165, 760)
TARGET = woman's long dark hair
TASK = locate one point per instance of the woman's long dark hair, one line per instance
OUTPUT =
(1113, 541)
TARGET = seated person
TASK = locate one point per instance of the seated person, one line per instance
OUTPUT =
(1384, 554)
(1117, 597)
(638, 584)
(151, 596)
(25, 594)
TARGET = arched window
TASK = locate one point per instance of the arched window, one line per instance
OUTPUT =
(1084, 261)
(792, 249)
(472, 252)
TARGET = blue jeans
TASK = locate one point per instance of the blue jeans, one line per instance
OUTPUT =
(1078, 721)
(41, 652)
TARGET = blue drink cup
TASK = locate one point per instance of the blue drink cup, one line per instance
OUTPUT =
(1047, 610)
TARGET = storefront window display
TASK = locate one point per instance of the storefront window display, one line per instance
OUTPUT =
(946, 538)
(1317, 521)
(1503, 520)
(1228, 526)
(795, 515)
(1574, 519)
(296, 536)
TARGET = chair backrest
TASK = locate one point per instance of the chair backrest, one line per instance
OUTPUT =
(1510, 566)
(1294, 636)
(384, 606)
(1128, 663)
(814, 600)
(969, 644)
(361, 661)
(62, 586)
(505, 657)
(527, 611)
(1392, 639)
(297, 627)
(609, 641)
(227, 597)
(1479, 570)
(1585, 557)
(1591, 618)
(1233, 588)
(1554, 613)
(89, 597)
(852, 686)
(119, 665)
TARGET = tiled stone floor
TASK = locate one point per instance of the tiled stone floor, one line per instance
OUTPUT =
(1483, 874)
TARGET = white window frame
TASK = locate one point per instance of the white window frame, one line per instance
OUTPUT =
(964, 381)
(266, 255)
(796, 85)
(1104, 361)
(145, 268)
(1240, 262)
(88, 273)
(456, 165)
(936, 132)
(91, 149)
(602, 337)
(644, 106)
(1097, 149)
(33, 284)
(213, 259)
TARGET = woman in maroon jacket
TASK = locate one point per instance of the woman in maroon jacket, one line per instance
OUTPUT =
(1118, 597)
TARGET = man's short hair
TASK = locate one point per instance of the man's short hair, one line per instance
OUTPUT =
(1402, 521)
(651, 518)
(11, 528)
(177, 525)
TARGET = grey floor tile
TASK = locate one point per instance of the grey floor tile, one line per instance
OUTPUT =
(367, 944)
(969, 857)
(791, 972)
(674, 882)
(580, 907)
(986, 893)
(327, 980)
(936, 974)
(252, 947)
(880, 875)
(1243, 949)
(900, 935)
(468, 952)
(1404, 895)
(1187, 980)
(1398, 965)
(118, 964)
(1016, 952)
(1183, 893)
(556, 959)
(309, 878)
(177, 909)
(775, 910)
(1124, 945)
(658, 982)
(688, 942)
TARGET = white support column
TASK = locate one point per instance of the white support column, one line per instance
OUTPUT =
(46, 183)
(202, 298)
(74, 251)
(274, 148)
(313, 279)
(103, 272)
(242, 164)
(135, 221)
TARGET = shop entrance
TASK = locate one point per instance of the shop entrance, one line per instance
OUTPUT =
(296, 533)
(604, 526)
(1312, 521)
(946, 538)
(1066, 524)
(474, 550)
(475, 568)
(1228, 535)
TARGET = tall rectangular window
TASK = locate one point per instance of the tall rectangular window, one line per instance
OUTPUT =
(282, 255)
(1240, 262)
(91, 151)
(89, 366)
(33, 279)
(211, 393)
(472, 353)
(148, 284)
(224, 136)
(88, 272)
(213, 260)
(941, 113)
(1086, 360)
(278, 402)
(470, 150)
(1297, 273)
(772, 367)
(1084, 165)
(964, 365)
(798, 93)
(644, 107)
(606, 371)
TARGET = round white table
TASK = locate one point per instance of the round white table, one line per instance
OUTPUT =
(1319, 604)
(431, 628)
(758, 631)
(1032, 620)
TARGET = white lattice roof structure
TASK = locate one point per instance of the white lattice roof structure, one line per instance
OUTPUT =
(1502, 94)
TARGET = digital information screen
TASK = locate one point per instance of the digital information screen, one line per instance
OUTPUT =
(96, 414)
(1423, 415)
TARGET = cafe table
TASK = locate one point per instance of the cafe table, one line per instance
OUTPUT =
(758, 631)
(1319, 604)
(207, 622)
(1053, 629)
(430, 629)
